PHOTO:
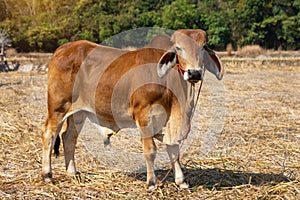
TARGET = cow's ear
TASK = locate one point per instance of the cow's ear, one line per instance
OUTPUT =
(212, 62)
(166, 62)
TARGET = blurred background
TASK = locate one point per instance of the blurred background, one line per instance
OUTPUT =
(43, 25)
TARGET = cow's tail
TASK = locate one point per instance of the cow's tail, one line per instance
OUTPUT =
(56, 146)
(58, 140)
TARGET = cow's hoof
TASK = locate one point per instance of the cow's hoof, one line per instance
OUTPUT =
(152, 185)
(151, 188)
(184, 185)
(106, 142)
(107, 136)
(47, 178)
(71, 171)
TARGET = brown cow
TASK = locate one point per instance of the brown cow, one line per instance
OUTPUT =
(146, 88)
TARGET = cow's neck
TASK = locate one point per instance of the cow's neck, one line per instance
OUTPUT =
(189, 93)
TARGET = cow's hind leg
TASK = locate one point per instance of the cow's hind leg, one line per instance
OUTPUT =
(173, 152)
(49, 135)
(69, 137)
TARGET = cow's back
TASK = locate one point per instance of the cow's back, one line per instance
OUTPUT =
(70, 56)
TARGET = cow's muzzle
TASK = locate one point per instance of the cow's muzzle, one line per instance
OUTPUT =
(193, 75)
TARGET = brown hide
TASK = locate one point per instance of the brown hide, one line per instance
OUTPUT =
(120, 89)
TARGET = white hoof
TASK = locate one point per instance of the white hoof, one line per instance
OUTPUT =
(184, 185)
(71, 171)
(151, 188)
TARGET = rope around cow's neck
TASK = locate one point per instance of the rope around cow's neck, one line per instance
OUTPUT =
(188, 129)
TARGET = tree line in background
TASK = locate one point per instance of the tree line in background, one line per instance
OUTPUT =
(43, 25)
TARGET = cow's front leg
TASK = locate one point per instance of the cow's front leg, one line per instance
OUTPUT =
(173, 152)
(149, 150)
(144, 123)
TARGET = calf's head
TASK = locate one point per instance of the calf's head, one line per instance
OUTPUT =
(190, 54)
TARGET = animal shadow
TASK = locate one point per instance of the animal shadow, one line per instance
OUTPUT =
(217, 178)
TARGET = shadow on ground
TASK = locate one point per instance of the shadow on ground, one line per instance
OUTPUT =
(217, 178)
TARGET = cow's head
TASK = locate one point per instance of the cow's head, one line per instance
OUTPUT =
(190, 53)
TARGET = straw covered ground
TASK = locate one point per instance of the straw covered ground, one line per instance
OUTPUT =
(257, 155)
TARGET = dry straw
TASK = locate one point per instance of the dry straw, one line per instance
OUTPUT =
(257, 155)
(250, 50)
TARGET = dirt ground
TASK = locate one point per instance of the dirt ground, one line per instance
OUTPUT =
(257, 154)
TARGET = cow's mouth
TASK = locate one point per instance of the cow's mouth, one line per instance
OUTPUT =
(193, 76)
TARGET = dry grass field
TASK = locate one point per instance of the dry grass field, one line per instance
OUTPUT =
(257, 155)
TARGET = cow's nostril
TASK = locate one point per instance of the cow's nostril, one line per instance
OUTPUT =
(194, 75)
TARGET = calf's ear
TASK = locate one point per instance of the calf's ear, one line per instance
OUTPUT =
(166, 62)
